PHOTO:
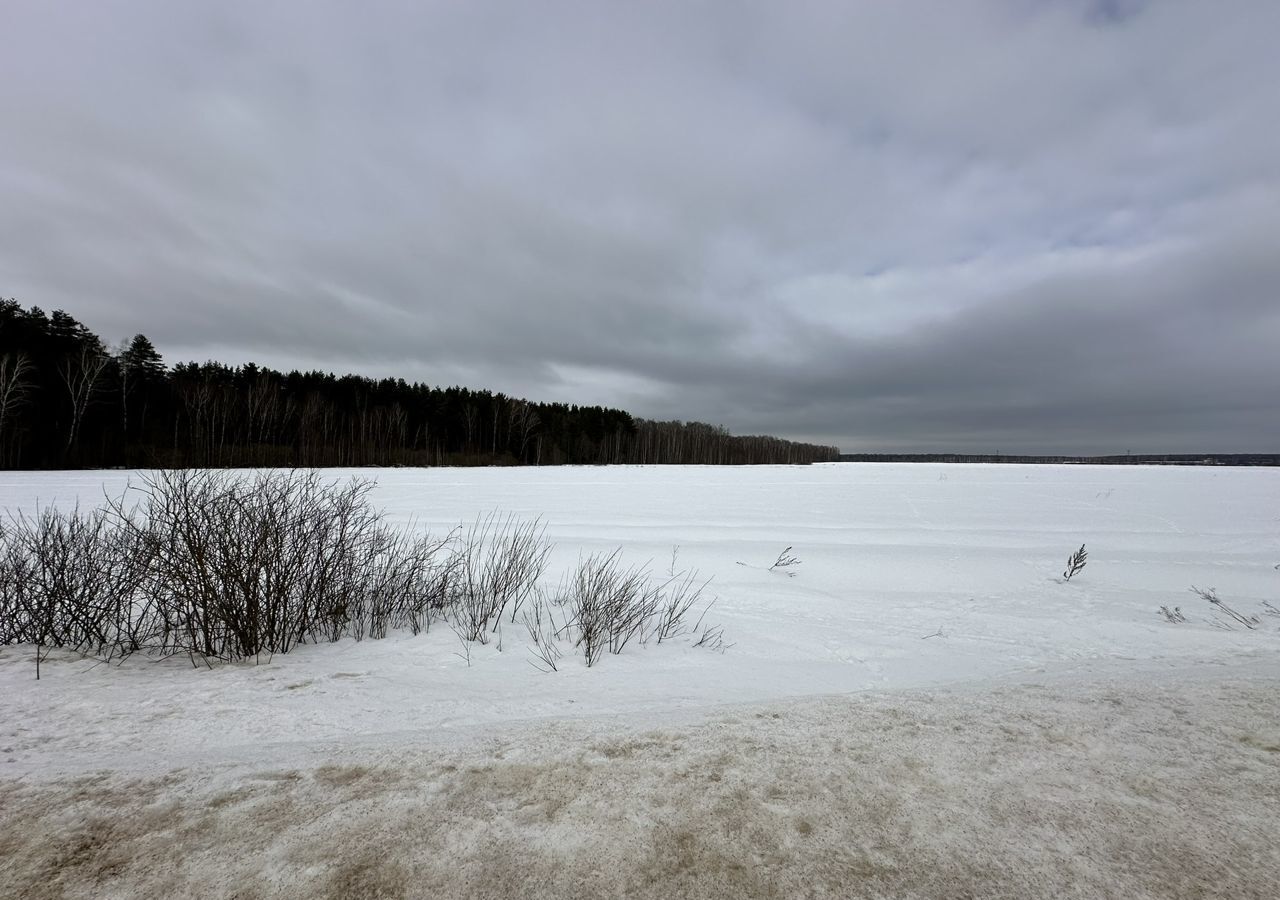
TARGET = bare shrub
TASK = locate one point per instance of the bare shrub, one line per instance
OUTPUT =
(709, 636)
(496, 565)
(69, 580)
(241, 566)
(1173, 615)
(610, 604)
(607, 603)
(539, 619)
(679, 595)
(218, 565)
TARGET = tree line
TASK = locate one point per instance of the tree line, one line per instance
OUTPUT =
(67, 400)
(1127, 459)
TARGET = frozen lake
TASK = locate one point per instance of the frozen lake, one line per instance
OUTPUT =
(909, 575)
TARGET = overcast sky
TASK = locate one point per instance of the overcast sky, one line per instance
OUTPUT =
(997, 225)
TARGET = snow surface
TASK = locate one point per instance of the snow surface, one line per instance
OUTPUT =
(989, 686)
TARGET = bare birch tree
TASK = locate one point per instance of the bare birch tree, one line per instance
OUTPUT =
(81, 371)
(15, 386)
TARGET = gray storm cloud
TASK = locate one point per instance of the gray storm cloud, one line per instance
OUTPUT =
(1006, 225)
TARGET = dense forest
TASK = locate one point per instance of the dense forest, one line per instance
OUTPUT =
(67, 400)
(1128, 459)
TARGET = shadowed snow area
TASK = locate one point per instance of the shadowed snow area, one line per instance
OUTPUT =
(1153, 787)
(923, 708)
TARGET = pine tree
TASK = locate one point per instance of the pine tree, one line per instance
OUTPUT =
(141, 367)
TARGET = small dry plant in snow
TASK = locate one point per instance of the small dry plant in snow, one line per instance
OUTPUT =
(1075, 563)
(539, 619)
(1211, 595)
(784, 562)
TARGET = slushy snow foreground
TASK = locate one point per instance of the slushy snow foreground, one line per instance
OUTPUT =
(925, 709)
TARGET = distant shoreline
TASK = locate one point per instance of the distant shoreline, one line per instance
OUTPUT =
(1136, 459)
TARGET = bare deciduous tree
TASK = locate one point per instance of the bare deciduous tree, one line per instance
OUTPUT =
(15, 386)
(81, 371)
(523, 421)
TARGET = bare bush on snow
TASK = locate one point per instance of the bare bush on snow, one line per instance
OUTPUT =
(609, 604)
(218, 565)
(497, 565)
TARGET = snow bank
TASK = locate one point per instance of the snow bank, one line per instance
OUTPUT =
(1164, 785)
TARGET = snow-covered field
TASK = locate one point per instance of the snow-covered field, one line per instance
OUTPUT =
(922, 706)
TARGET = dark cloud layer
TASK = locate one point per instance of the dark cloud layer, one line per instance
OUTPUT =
(1012, 225)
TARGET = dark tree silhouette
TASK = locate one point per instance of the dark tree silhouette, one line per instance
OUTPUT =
(65, 401)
